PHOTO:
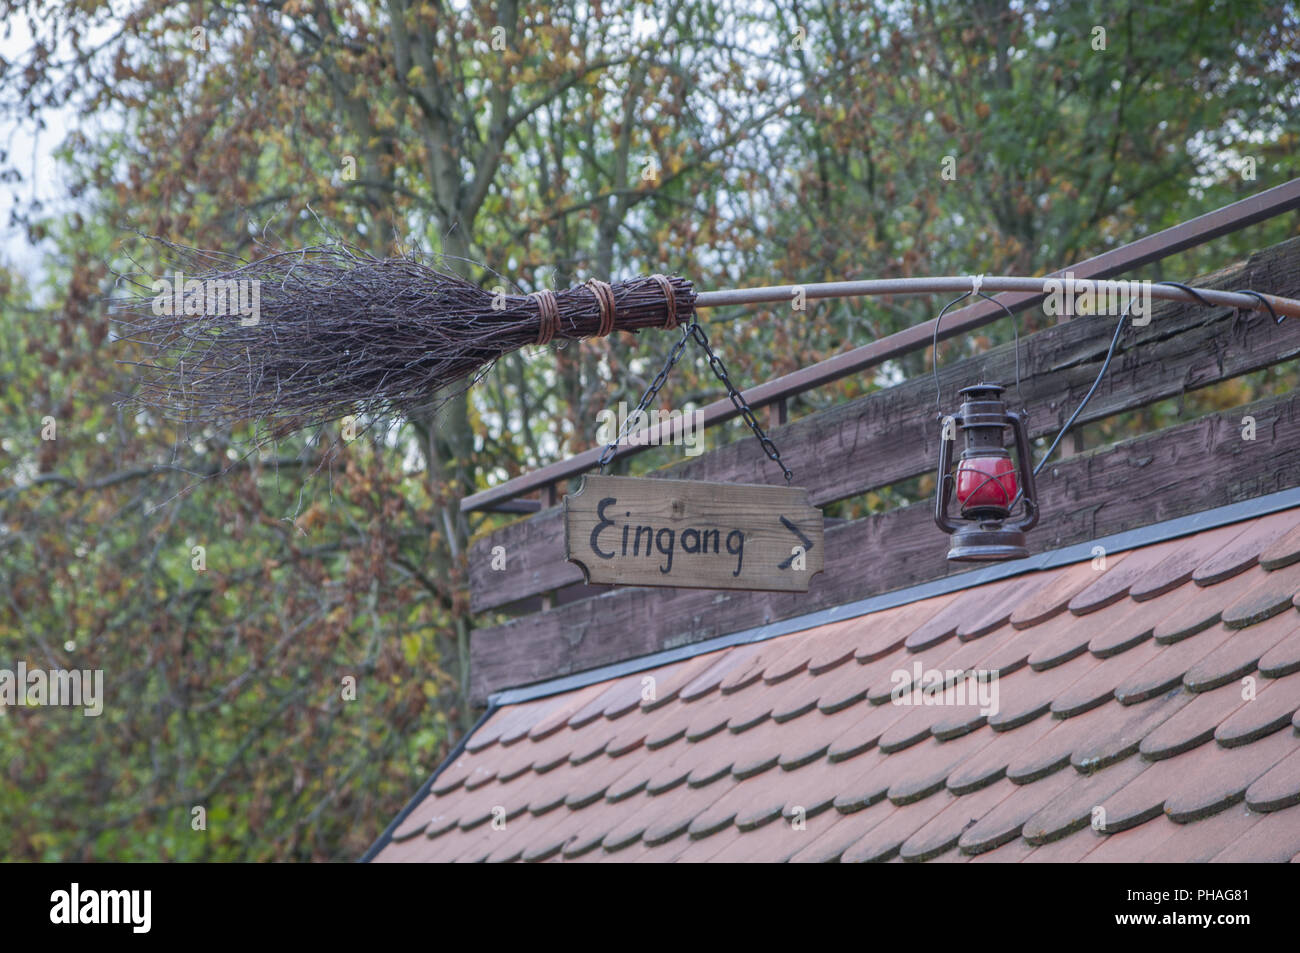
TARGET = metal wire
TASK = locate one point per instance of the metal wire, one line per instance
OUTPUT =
(1015, 328)
(1105, 365)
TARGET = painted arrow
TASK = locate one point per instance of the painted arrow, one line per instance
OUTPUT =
(807, 543)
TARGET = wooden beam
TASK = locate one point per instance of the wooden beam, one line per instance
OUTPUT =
(890, 436)
(1182, 470)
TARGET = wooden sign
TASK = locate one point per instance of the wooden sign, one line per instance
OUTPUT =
(644, 532)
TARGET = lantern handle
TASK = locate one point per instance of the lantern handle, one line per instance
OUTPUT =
(1028, 492)
(943, 496)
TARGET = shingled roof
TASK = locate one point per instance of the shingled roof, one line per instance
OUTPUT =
(1146, 710)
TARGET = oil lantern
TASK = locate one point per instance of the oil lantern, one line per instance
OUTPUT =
(987, 483)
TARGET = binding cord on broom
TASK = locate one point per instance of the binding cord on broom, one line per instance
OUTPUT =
(605, 298)
(548, 315)
(670, 300)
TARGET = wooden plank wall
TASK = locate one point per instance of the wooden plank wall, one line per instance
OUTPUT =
(891, 435)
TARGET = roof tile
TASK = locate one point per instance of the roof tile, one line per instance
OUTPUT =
(883, 840)
(1270, 595)
(1130, 629)
(702, 673)
(1144, 797)
(863, 729)
(1283, 658)
(558, 717)
(598, 821)
(1067, 850)
(1194, 725)
(1075, 808)
(982, 616)
(883, 632)
(774, 842)
(671, 724)
(1065, 637)
(644, 811)
(801, 646)
(1098, 686)
(1228, 773)
(1199, 607)
(1199, 842)
(1238, 652)
(1133, 843)
(1013, 852)
(832, 648)
(1026, 694)
(1118, 730)
(1176, 569)
(622, 690)
(1121, 572)
(590, 786)
(945, 829)
(750, 670)
(503, 719)
(940, 626)
(1004, 822)
(990, 762)
(1268, 711)
(711, 678)
(1007, 653)
(938, 760)
(847, 685)
(1053, 751)
(707, 760)
(1274, 839)
(841, 832)
(677, 819)
(709, 717)
(1053, 599)
(1243, 551)
(1166, 670)
(634, 780)
(589, 743)
(811, 739)
(1283, 551)
(1277, 788)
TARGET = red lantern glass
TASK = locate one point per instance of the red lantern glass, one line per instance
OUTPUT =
(986, 481)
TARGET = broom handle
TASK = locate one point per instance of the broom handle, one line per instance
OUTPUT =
(959, 283)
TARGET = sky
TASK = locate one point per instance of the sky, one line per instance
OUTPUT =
(32, 153)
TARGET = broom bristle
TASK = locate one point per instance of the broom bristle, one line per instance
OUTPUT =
(309, 336)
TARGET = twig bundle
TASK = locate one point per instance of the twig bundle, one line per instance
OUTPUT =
(338, 332)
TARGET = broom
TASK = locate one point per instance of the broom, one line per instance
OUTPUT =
(305, 337)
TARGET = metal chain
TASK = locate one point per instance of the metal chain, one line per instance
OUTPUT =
(738, 401)
(694, 330)
(674, 356)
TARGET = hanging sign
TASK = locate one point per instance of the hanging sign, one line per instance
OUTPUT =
(647, 532)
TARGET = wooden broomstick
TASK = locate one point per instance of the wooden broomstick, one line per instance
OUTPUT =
(309, 336)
